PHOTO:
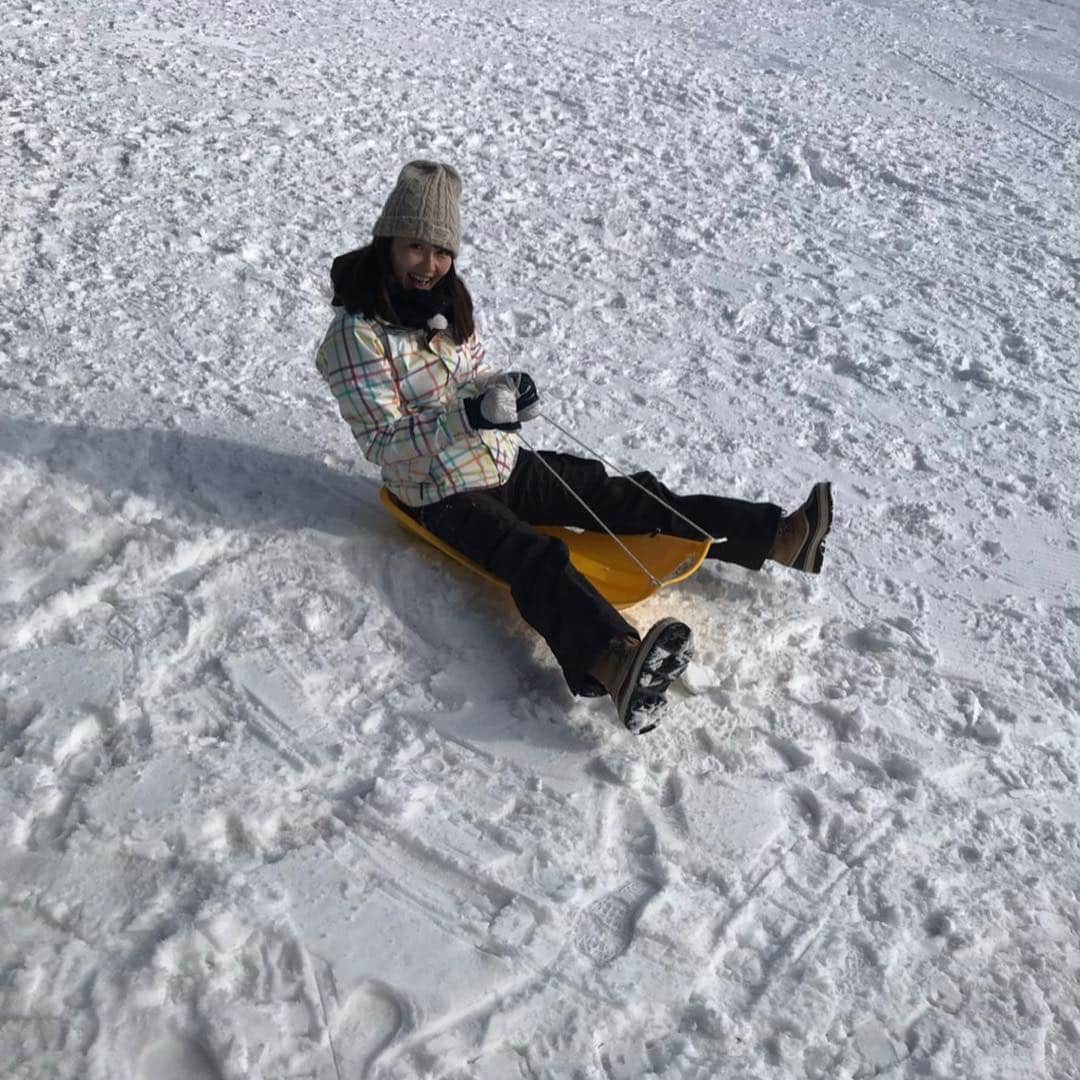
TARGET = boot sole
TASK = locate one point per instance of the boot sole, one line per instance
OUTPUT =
(664, 654)
(819, 514)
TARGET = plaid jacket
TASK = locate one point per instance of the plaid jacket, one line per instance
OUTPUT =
(403, 397)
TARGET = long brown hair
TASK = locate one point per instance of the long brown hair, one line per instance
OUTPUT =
(361, 281)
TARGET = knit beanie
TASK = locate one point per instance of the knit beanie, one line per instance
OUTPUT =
(424, 206)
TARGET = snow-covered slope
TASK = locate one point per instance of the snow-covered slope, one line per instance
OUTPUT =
(283, 794)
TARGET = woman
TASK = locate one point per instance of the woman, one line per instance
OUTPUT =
(403, 361)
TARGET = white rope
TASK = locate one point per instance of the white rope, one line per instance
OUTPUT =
(571, 435)
(596, 517)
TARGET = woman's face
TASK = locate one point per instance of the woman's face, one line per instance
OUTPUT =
(416, 265)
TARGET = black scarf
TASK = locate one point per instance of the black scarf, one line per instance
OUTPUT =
(416, 307)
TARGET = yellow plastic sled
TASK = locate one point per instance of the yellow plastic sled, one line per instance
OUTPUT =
(613, 573)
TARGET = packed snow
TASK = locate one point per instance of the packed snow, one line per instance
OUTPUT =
(284, 793)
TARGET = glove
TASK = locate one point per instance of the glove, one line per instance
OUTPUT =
(495, 408)
(528, 399)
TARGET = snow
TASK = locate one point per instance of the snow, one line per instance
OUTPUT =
(283, 794)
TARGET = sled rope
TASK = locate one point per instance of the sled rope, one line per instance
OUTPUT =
(570, 435)
(592, 513)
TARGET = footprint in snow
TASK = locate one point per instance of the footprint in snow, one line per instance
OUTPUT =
(364, 1026)
(176, 1057)
(605, 929)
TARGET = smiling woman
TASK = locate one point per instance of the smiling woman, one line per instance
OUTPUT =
(410, 377)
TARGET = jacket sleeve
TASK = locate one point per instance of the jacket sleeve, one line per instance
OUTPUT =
(361, 378)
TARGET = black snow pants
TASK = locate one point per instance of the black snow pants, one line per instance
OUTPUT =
(493, 527)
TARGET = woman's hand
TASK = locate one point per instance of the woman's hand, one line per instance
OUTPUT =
(496, 407)
(508, 400)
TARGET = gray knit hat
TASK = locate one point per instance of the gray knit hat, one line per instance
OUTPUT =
(424, 206)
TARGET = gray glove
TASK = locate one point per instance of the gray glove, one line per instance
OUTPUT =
(496, 407)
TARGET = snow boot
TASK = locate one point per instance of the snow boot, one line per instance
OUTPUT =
(800, 537)
(637, 673)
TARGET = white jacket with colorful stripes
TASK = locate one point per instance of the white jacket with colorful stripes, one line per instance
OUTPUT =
(402, 392)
